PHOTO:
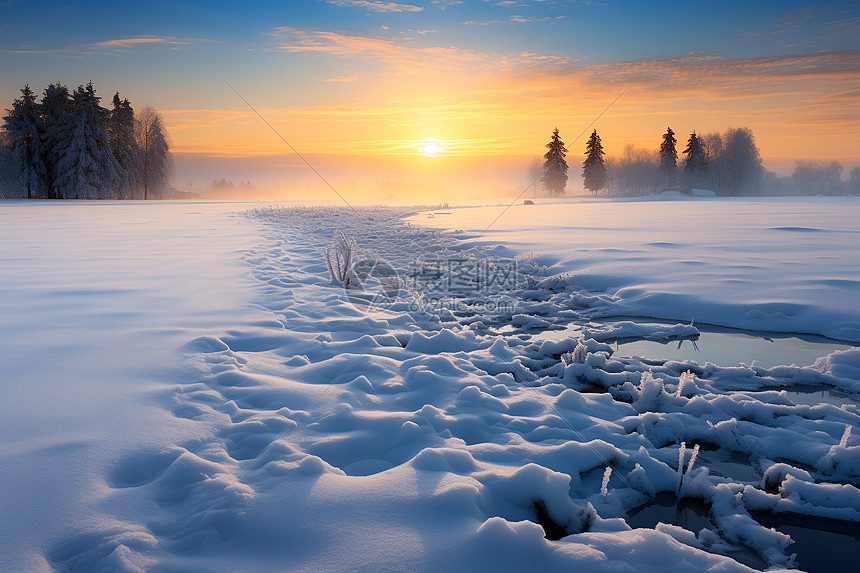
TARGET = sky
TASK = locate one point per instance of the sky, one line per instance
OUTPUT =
(430, 92)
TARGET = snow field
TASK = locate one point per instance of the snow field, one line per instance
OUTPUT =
(775, 265)
(311, 435)
(94, 300)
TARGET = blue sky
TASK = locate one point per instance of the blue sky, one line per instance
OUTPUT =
(628, 29)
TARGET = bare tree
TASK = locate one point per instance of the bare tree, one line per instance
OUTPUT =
(636, 172)
(6, 169)
(154, 162)
(811, 177)
(854, 181)
(741, 168)
(535, 169)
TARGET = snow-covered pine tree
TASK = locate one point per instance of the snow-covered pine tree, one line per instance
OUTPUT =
(669, 157)
(24, 137)
(154, 162)
(594, 167)
(87, 169)
(554, 177)
(123, 145)
(59, 128)
(695, 162)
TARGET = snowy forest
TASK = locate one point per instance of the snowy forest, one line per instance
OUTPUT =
(67, 146)
(728, 163)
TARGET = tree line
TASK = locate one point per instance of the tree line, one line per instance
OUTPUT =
(67, 146)
(728, 163)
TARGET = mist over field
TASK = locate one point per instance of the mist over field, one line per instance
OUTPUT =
(360, 179)
(467, 180)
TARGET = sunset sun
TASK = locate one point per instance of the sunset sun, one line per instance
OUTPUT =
(430, 147)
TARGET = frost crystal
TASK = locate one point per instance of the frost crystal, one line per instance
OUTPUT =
(604, 486)
(339, 258)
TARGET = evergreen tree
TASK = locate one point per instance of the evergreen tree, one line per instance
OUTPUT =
(594, 167)
(122, 144)
(695, 162)
(87, 169)
(554, 177)
(669, 157)
(59, 128)
(68, 146)
(24, 134)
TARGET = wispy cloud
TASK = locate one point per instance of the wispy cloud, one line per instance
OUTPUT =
(341, 79)
(131, 42)
(524, 19)
(403, 54)
(834, 20)
(789, 91)
(375, 6)
(114, 46)
(712, 74)
(442, 4)
(482, 22)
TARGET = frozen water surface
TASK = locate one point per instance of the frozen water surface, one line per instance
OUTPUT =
(724, 347)
(732, 348)
(690, 514)
(822, 545)
(814, 395)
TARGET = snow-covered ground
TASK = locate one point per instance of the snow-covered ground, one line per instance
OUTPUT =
(95, 298)
(186, 390)
(769, 264)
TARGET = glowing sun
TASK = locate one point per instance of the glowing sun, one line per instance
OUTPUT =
(430, 147)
